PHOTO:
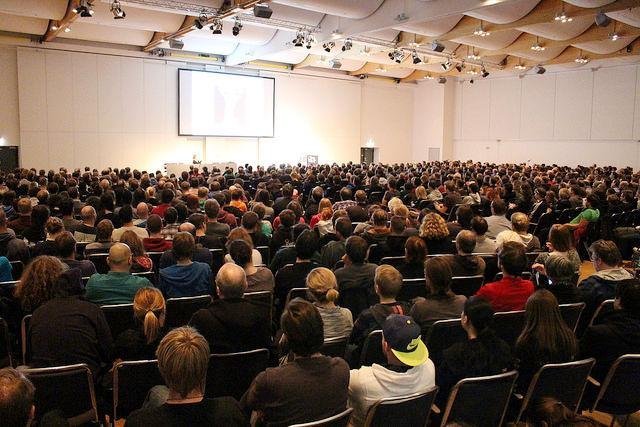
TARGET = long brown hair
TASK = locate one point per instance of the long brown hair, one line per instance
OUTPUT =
(149, 309)
(131, 239)
(545, 333)
(36, 284)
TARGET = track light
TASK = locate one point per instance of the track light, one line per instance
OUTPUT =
(520, 66)
(380, 69)
(480, 32)
(237, 26)
(117, 11)
(262, 10)
(309, 40)
(201, 21)
(473, 72)
(84, 9)
(436, 46)
(442, 80)
(483, 72)
(460, 67)
(473, 56)
(328, 46)
(428, 77)
(416, 58)
(216, 27)
(446, 66)
(348, 44)
(53, 27)
(67, 29)
(540, 69)
(299, 40)
(581, 59)
(396, 55)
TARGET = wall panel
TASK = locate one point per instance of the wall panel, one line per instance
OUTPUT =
(574, 91)
(505, 108)
(613, 103)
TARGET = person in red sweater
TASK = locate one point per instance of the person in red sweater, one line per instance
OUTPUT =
(156, 241)
(511, 292)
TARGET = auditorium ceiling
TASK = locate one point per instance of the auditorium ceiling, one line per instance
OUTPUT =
(405, 40)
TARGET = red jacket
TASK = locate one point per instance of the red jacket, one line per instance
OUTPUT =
(507, 294)
(156, 244)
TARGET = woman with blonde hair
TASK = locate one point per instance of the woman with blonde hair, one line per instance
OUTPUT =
(323, 289)
(421, 193)
(239, 233)
(435, 234)
(324, 203)
(149, 311)
(141, 262)
(36, 284)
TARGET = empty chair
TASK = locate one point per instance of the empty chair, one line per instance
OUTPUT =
(100, 262)
(372, 349)
(66, 388)
(338, 420)
(563, 381)
(296, 293)
(405, 411)
(442, 335)
(119, 318)
(16, 269)
(180, 310)
(619, 393)
(508, 325)
(334, 347)
(605, 308)
(480, 401)
(5, 344)
(466, 285)
(231, 374)
(412, 288)
(132, 380)
(571, 314)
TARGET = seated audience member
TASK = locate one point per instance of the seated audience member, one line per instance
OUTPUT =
(103, 241)
(258, 278)
(166, 197)
(265, 226)
(294, 275)
(214, 227)
(464, 263)
(325, 203)
(35, 286)
(334, 250)
(282, 235)
(282, 395)
(251, 224)
(23, 221)
(86, 231)
(5, 270)
(508, 236)
(141, 262)
(66, 210)
(387, 285)
(545, 338)
(118, 286)
(141, 343)
(548, 411)
(435, 234)
(484, 245)
(186, 277)
(287, 254)
(617, 334)
(233, 323)
(358, 212)
(236, 199)
(602, 285)
(324, 224)
(512, 291)
(17, 398)
(378, 232)
(170, 228)
(408, 370)
(156, 241)
(356, 273)
(591, 213)
(464, 215)
(498, 221)
(66, 329)
(10, 246)
(126, 219)
(562, 280)
(225, 217)
(141, 215)
(560, 243)
(67, 251)
(323, 289)
(183, 359)
(520, 225)
(200, 253)
(53, 229)
(415, 254)
(440, 303)
(483, 353)
(240, 233)
(36, 231)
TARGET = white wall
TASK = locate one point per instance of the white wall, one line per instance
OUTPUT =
(9, 118)
(81, 109)
(576, 117)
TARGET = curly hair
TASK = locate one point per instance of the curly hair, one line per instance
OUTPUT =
(433, 227)
(36, 284)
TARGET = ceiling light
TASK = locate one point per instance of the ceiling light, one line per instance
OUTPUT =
(446, 66)
(328, 46)
(416, 58)
(117, 11)
(428, 77)
(67, 29)
(539, 69)
(460, 67)
(480, 32)
(581, 60)
(396, 55)
(473, 56)
(380, 69)
(262, 10)
(237, 26)
(520, 66)
(348, 44)
(483, 72)
(537, 46)
(53, 27)
(614, 36)
(201, 21)
(84, 9)
(299, 40)
(562, 16)
(309, 40)
(216, 27)
(473, 72)
(436, 46)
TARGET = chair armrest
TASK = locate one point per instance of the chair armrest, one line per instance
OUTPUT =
(593, 381)
(435, 409)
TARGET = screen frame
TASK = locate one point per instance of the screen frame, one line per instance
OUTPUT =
(273, 116)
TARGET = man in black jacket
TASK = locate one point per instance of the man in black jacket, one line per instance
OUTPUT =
(233, 323)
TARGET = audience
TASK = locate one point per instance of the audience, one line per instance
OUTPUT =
(520, 224)
(126, 219)
(484, 245)
(200, 253)
(333, 251)
(155, 242)
(415, 254)
(435, 234)
(356, 273)
(17, 398)
(323, 290)
(36, 284)
(560, 243)
(170, 228)
(23, 221)
(103, 241)
(53, 228)
(464, 263)
(294, 275)
(186, 277)
(258, 278)
(86, 231)
(149, 310)
(10, 246)
(242, 234)
(498, 221)
(140, 261)
(67, 250)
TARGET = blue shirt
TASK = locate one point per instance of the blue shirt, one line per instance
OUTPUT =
(186, 280)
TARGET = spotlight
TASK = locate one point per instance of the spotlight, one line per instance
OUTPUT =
(460, 67)
(436, 46)
(348, 44)
(237, 26)
(262, 11)
(328, 46)
(520, 66)
(473, 72)
(537, 47)
(416, 58)
(446, 66)
(480, 32)
(562, 16)
(428, 77)
(540, 69)
(380, 69)
(216, 27)
(442, 80)
(581, 60)
(396, 55)
(117, 11)
(473, 56)
(299, 40)
(53, 27)
(84, 9)
(67, 30)
(201, 21)
(309, 40)
(614, 36)
(483, 72)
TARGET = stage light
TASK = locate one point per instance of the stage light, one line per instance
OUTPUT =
(480, 32)
(328, 46)
(201, 21)
(473, 72)
(53, 27)
(216, 27)
(237, 26)
(446, 66)
(520, 66)
(309, 40)
(67, 30)
(117, 11)
(84, 9)
(380, 69)
(299, 40)
(581, 60)
(614, 36)
(473, 56)
(428, 77)
(483, 72)
(436, 46)
(460, 67)
(396, 55)
(416, 58)
(348, 44)
(540, 69)
(562, 16)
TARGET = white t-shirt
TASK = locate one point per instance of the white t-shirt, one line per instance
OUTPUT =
(369, 384)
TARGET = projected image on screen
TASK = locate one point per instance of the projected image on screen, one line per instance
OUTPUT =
(218, 104)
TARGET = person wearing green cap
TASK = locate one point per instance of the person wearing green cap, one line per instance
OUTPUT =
(408, 369)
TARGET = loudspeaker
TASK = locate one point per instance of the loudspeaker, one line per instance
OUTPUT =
(602, 20)
(176, 44)
(442, 80)
(540, 69)
(262, 11)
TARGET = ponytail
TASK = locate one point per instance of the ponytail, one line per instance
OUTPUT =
(151, 326)
(332, 295)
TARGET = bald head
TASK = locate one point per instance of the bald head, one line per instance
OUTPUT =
(119, 258)
(142, 210)
(187, 227)
(231, 281)
(88, 215)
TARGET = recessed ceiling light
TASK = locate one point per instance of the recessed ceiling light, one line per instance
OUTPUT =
(480, 32)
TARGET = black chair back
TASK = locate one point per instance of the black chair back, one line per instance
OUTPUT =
(80, 247)
(490, 266)
(508, 325)
(132, 380)
(355, 299)
(335, 347)
(217, 260)
(394, 261)
(619, 393)
(571, 314)
(155, 258)
(5, 345)
(562, 381)
(149, 275)
(601, 312)
(265, 252)
(442, 335)
(180, 310)
(466, 285)
(66, 388)
(263, 297)
(119, 318)
(480, 401)
(372, 349)
(338, 420)
(16, 269)
(412, 288)
(100, 262)
(232, 374)
(404, 411)
(296, 293)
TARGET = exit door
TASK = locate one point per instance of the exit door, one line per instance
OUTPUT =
(366, 155)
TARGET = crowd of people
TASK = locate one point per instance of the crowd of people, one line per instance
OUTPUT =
(351, 235)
